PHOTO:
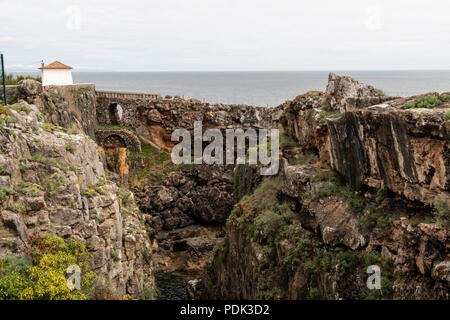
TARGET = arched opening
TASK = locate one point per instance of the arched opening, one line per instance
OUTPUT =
(115, 113)
(114, 141)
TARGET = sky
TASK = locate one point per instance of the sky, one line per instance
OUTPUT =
(226, 35)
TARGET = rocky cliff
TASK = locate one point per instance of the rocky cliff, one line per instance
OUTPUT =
(365, 182)
(52, 182)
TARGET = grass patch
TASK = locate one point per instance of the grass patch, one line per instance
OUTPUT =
(151, 165)
(354, 201)
(22, 108)
(50, 127)
(116, 127)
(306, 158)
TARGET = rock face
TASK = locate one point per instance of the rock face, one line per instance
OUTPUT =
(53, 182)
(317, 234)
(200, 193)
(405, 151)
(357, 187)
(304, 119)
(345, 93)
(317, 245)
(72, 107)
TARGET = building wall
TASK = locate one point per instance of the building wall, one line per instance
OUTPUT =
(56, 77)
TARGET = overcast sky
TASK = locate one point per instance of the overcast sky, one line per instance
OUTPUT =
(188, 35)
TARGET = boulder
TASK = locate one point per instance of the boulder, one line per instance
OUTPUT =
(30, 88)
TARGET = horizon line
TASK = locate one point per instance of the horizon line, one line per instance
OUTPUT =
(206, 71)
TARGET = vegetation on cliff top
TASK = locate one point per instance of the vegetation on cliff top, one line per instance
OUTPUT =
(428, 101)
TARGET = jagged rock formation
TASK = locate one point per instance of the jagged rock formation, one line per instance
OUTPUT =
(346, 94)
(53, 182)
(315, 236)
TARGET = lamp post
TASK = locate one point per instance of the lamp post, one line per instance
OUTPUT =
(3, 79)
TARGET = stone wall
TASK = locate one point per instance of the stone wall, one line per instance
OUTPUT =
(118, 138)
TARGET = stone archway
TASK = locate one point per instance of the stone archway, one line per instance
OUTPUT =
(118, 138)
(114, 141)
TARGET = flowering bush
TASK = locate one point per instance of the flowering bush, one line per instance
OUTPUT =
(42, 274)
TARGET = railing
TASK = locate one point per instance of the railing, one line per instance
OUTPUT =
(125, 95)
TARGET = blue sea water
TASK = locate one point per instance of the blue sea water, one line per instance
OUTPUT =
(260, 88)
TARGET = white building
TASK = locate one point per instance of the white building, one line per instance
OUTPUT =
(56, 74)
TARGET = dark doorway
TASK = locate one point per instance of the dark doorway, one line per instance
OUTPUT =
(115, 113)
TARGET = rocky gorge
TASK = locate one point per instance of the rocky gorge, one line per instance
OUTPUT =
(363, 180)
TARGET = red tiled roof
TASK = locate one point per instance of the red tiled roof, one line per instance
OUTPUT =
(55, 65)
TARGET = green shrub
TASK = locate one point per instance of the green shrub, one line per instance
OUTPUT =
(381, 194)
(9, 120)
(3, 171)
(314, 294)
(286, 142)
(326, 107)
(354, 201)
(23, 168)
(441, 211)
(445, 97)
(70, 147)
(124, 195)
(4, 193)
(429, 102)
(447, 115)
(93, 190)
(267, 224)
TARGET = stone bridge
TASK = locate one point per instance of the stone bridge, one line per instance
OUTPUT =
(118, 138)
(113, 107)
(125, 95)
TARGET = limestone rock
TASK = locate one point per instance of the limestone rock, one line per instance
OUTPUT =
(60, 188)
(346, 93)
(30, 87)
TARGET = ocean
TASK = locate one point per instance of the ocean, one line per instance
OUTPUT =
(264, 88)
